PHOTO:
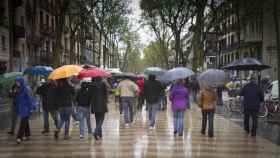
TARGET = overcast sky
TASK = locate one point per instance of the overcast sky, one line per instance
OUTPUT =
(145, 34)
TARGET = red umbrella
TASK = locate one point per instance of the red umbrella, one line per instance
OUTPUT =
(95, 72)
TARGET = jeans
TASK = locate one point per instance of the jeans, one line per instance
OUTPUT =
(178, 117)
(254, 115)
(127, 104)
(208, 115)
(99, 117)
(65, 114)
(84, 115)
(24, 129)
(14, 118)
(54, 116)
(152, 110)
(163, 102)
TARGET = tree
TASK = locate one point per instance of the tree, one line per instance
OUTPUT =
(175, 14)
(153, 55)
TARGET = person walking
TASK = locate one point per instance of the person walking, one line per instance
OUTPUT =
(83, 99)
(25, 105)
(13, 92)
(253, 98)
(47, 93)
(128, 92)
(140, 83)
(179, 98)
(64, 99)
(99, 102)
(152, 91)
(207, 101)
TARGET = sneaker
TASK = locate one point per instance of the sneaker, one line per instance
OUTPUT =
(81, 137)
(96, 137)
(180, 134)
(152, 127)
(126, 125)
(175, 132)
(18, 141)
(56, 134)
(45, 132)
(10, 133)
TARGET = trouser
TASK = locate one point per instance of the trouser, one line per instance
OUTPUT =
(152, 110)
(24, 129)
(127, 103)
(65, 114)
(84, 115)
(14, 118)
(248, 113)
(163, 102)
(54, 116)
(178, 118)
(140, 102)
(99, 118)
(120, 105)
(208, 115)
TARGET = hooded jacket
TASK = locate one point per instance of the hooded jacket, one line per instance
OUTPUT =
(179, 97)
(24, 101)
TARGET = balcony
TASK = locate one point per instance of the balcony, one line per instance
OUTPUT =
(33, 39)
(46, 57)
(47, 31)
(44, 4)
(19, 31)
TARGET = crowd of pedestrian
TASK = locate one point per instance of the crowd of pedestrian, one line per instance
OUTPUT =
(91, 97)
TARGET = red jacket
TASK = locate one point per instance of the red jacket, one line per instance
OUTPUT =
(140, 83)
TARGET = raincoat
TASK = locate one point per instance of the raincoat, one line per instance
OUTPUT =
(24, 102)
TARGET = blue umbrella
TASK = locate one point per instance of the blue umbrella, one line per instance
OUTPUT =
(38, 70)
(156, 71)
(177, 73)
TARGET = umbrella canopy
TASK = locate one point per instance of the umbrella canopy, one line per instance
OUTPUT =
(65, 72)
(247, 64)
(88, 66)
(154, 71)
(125, 75)
(38, 70)
(212, 78)
(177, 73)
(7, 79)
(95, 72)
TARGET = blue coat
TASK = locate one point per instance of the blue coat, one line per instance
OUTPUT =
(253, 96)
(24, 102)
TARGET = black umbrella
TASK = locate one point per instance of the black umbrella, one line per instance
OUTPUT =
(124, 75)
(247, 64)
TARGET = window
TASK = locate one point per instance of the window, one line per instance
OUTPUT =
(3, 38)
(53, 23)
(232, 39)
(22, 20)
(41, 19)
(47, 20)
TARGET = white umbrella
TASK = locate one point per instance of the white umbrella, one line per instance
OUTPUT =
(212, 78)
(177, 73)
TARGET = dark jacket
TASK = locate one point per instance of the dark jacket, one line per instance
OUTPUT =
(64, 94)
(84, 95)
(253, 96)
(152, 91)
(47, 92)
(13, 92)
(99, 97)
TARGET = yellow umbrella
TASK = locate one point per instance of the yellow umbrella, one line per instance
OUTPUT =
(65, 72)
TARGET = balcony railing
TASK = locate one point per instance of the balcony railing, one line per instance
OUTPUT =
(19, 31)
(47, 31)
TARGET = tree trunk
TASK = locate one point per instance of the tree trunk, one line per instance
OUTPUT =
(72, 48)
(99, 51)
(58, 45)
(11, 33)
(198, 42)
(276, 20)
(178, 49)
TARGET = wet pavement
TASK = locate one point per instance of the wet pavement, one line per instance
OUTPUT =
(230, 140)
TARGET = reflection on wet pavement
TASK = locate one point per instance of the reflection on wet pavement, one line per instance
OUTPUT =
(138, 141)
